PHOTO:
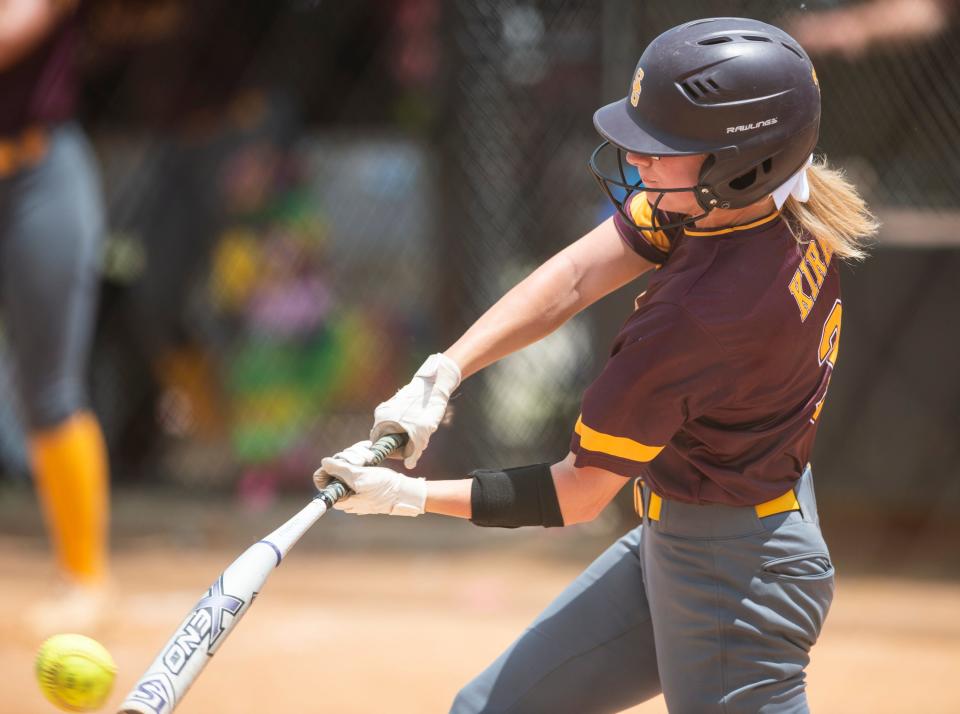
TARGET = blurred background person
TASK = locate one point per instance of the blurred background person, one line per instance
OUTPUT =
(51, 228)
(850, 30)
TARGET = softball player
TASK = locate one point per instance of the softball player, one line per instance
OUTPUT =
(51, 227)
(710, 399)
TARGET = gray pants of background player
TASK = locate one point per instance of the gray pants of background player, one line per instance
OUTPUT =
(711, 605)
(51, 230)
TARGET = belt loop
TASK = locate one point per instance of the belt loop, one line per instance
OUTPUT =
(638, 496)
(653, 502)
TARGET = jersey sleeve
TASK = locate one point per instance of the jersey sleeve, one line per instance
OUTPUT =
(655, 246)
(665, 369)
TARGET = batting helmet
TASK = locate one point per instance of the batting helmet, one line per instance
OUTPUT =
(741, 91)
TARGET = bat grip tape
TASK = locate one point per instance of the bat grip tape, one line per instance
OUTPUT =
(381, 448)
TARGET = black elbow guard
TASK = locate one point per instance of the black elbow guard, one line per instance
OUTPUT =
(522, 496)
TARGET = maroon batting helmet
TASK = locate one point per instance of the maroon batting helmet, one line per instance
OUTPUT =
(738, 90)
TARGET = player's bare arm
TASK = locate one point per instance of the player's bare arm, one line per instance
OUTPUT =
(570, 281)
(578, 276)
(24, 23)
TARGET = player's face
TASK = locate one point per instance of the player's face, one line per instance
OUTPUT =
(670, 172)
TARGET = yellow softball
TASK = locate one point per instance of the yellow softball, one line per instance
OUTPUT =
(75, 672)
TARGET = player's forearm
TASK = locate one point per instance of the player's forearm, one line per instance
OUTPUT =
(530, 311)
(575, 278)
(24, 24)
(449, 498)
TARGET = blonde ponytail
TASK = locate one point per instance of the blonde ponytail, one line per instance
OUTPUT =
(835, 215)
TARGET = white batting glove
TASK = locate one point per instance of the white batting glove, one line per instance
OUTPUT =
(358, 454)
(418, 408)
(375, 489)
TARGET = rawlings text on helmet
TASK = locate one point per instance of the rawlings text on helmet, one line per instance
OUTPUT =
(754, 125)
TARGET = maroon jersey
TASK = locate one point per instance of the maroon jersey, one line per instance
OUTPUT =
(41, 87)
(715, 383)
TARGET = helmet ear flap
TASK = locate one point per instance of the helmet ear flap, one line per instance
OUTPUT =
(760, 179)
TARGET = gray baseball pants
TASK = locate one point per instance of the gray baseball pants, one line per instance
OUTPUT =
(711, 605)
(51, 232)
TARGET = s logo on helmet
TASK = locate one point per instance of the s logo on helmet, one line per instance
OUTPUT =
(635, 89)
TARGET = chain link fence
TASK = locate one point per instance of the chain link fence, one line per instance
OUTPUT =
(356, 183)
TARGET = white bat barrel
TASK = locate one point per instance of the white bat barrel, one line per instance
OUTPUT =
(213, 617)
(216, 614)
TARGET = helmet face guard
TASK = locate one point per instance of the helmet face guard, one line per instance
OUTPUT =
(740, 91)
(630, 188)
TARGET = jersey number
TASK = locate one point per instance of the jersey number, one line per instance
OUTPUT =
(829, 348)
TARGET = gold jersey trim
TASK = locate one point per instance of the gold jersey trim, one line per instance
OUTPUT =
(744, 227)
(619, 446)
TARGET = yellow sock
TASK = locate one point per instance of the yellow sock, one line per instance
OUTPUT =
(70, 469)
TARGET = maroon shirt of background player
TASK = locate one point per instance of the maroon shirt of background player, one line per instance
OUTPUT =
(715, 383)
(41, 88)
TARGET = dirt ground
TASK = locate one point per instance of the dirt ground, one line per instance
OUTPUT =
(383, 623)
